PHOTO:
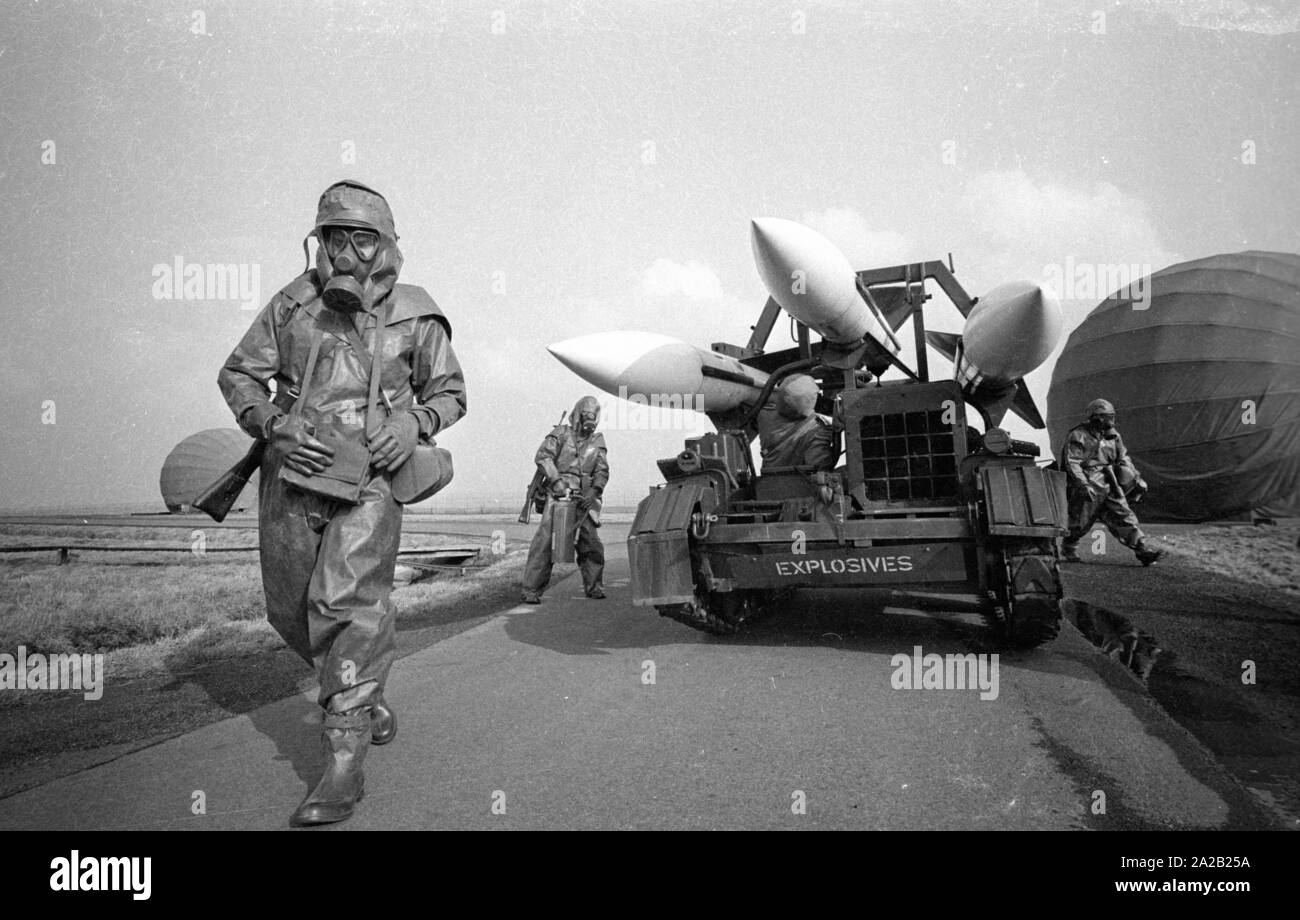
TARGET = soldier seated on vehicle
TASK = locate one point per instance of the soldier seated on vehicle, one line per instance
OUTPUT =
(792, 434)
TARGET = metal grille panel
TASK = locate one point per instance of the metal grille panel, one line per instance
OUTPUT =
(908, 455)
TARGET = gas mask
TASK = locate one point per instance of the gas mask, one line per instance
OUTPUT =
(351, 251)
(357, 260)
(1101, 416)
(585, 416)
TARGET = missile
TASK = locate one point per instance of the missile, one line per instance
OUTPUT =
(1009, 332)
(660, 369)
(814, 283)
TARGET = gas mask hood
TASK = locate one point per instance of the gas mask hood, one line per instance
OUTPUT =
(797, 397)
(588, 406)
(352, 281)
(1101, 416)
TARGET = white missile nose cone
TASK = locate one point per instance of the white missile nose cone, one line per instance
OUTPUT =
(639, 361)
(781, 246)
(776, 241)
(590, 357)
(1040, 312)
(765, 227)
(659, 370)
(1036, 312)
(813, 281)
(1012, 330)
(602, 357)
(764, 234)
(568, 352)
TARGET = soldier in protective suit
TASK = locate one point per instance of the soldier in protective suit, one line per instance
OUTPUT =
(791, 434)
(1101, 475)
(572, 459)
(327, 564)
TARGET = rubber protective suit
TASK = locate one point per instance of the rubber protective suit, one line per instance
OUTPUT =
(572, 457)
(327, 566)
(1099, 474)
(790, 433)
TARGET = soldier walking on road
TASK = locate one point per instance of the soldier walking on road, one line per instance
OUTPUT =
(1101, 481)
(572, 460)
(335, 340)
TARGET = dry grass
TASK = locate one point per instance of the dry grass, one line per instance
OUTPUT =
(154, 612)
(100, 606)
(1268, 555)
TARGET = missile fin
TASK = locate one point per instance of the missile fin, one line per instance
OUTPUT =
(1023, 405)
(944, 342)
(892, 300)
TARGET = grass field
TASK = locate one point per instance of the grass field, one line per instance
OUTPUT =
(1266, 555)
(154, 611)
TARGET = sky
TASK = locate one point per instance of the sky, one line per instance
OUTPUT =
(557, 169)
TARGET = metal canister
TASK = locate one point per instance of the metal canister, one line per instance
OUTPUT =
(564, 530)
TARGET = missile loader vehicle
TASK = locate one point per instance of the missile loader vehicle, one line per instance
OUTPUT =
(923, 505)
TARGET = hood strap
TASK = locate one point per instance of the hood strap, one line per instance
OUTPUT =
(376, 372)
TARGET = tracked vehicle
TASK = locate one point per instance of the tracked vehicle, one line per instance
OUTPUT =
(924, 505)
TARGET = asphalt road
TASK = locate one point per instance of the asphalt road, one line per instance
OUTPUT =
(546, 717)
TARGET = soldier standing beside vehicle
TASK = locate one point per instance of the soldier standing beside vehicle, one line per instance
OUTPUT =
(572, 461)
(1101, 479)
(329, 524)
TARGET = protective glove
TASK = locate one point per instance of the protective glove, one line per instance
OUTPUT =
(559, 488)
(290, 438)
(1139, 492)
(588, 500)
(395, 441)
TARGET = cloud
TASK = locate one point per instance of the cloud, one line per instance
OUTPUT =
(1020, 228)
(1035, 230)
(692, 280)
(1029, 229)
(1229, 15)
(861, 244)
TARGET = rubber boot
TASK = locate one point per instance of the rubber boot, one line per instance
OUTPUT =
(383, 721)
(1070, 552)
(346, 738)
(1147, 554)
